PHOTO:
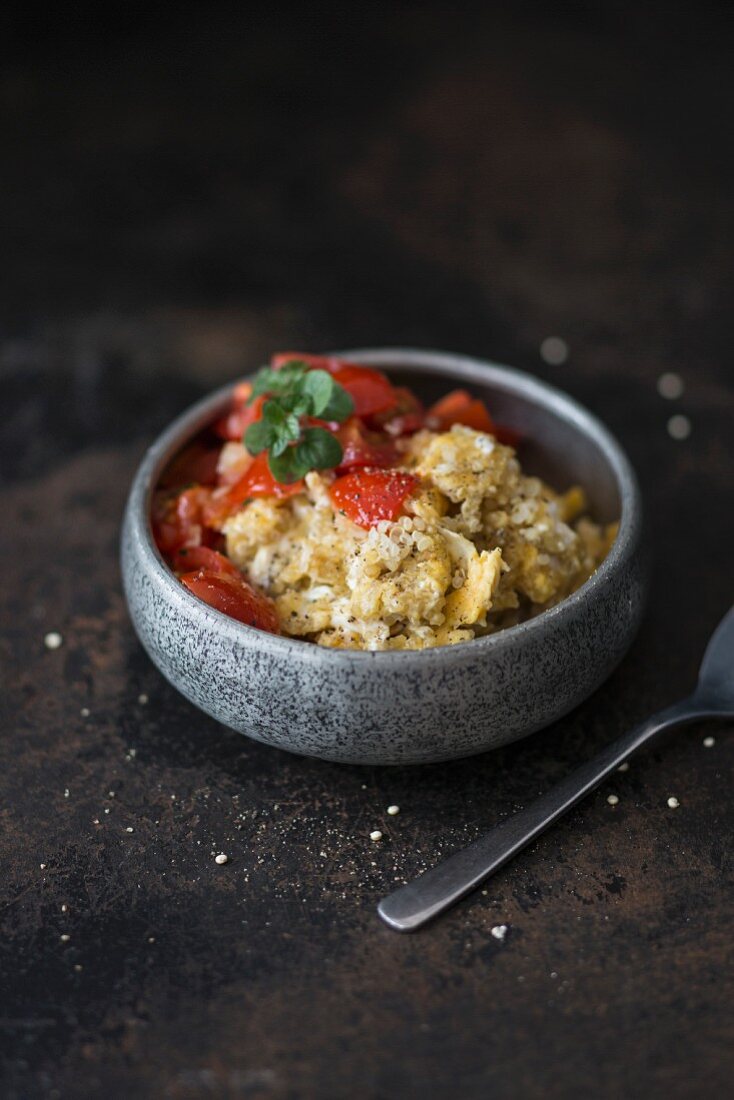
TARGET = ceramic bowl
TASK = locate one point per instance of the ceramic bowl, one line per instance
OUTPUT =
(406, 707)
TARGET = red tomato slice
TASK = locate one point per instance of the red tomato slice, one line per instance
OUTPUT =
(241, 392)
(196, 463)
(509, 436)
(459, 407)
(363, 448)
(180, 521)
(404, 418)
(368, 496)
(370, 389)
(257, 481)
(234, 425)
(316, 362)
(190, 506)
(168, 537)
(233, 596)
(191, 558)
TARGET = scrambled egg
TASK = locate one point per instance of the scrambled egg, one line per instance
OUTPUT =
(480, 547)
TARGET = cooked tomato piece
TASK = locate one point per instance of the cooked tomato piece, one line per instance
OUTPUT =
(197, 463)
(241, 393)
(364, 448)
(234, 425)
(257, 481)
(405, 417)
(371, 390)
(168, 536)
(189, 558)
(459, 407)
(368, 496)
(509, 436)
(233, 596)
(180, 521)
(189, 504)
(317, 362)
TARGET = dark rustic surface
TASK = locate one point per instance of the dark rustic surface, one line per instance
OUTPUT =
(178, 201)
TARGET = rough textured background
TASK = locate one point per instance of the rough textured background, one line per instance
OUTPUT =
(179, 197)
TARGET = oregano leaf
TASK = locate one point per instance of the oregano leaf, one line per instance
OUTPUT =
(258, 437)
(340, 406)
(319, 449)
(318, 386)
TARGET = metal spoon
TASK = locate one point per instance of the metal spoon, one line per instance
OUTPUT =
(436, 890)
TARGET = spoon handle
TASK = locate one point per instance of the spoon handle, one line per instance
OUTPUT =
(439, 888)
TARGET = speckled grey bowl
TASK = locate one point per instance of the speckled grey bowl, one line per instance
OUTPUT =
(405, 707)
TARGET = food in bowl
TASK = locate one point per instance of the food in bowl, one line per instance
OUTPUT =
(329, 505)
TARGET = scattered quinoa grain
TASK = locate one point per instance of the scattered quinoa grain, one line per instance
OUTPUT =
(612, 799)
(142, 698)
(392, 810)
(65, 937)
(85, 712)
(679, 427)
(221, 858)
(554, 351)
(673, 802)
(53, 640)
(670, 385)
(129, 829)
(375, 835)
(709, 742)
(624, 767)
(499, 931)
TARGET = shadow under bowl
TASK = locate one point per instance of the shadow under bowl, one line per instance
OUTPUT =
(406, 707)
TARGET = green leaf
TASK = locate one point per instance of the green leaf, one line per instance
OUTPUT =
(292, 426)
(319, 450)
(318, 386)
(272, 413)
(285, 467)
(289, 374)
(260, 383)
(295, 391)
(296, 402)
(281, 422)
(259, 436)
(276, 382)
(340, 405)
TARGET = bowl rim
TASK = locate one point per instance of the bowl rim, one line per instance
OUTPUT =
(469, 368)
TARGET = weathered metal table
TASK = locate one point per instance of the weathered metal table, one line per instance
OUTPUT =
(179, 200)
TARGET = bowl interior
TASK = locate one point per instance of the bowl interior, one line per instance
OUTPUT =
(561, 450)
(561, 442)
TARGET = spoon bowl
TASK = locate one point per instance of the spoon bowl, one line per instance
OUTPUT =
(716, 676)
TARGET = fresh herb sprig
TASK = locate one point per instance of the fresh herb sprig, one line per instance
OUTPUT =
(294, 392)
